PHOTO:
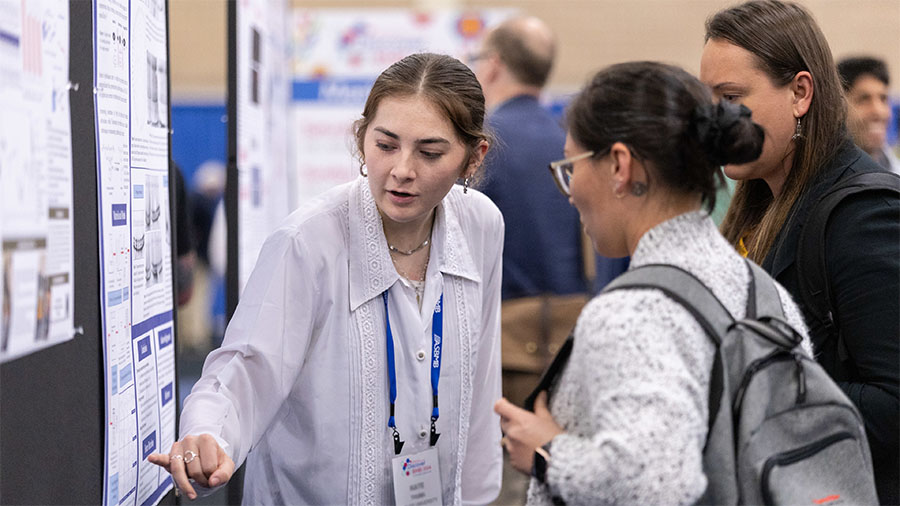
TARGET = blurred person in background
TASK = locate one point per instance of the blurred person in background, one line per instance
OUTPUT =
(544, 277)
(197, 328)
(187, 258)
(866, 82)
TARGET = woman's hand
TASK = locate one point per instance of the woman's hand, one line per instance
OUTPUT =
(199, 458)
(524, 431)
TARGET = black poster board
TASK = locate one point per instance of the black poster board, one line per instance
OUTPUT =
(51, 402)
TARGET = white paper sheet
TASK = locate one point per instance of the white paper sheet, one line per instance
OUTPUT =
(131, 73)
(35, 177)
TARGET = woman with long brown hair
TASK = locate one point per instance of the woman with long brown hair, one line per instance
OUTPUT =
(772, 57)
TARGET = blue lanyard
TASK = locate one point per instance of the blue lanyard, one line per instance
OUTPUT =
(437, 333)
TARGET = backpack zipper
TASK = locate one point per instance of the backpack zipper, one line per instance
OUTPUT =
(761, 363)
(789, 457)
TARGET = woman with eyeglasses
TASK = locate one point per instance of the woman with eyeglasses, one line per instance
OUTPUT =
(626, 420)
(363, 360)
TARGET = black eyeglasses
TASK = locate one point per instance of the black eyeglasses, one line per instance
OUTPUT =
(562, 171)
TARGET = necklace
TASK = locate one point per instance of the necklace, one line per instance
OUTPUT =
(409, 252)
(418, 286)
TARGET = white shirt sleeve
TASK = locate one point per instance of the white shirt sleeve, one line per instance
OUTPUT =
(483, 466)
(245, 382)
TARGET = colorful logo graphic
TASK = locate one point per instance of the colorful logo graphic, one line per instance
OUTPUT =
(352, 33)
(417, 467)
(470, 25)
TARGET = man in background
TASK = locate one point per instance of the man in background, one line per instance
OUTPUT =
(544, 281)
(866, 81)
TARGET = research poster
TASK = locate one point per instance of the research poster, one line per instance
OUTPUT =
(262, 99)
(131, 104)
(36, 278)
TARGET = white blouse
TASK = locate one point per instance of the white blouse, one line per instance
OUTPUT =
(299, 387)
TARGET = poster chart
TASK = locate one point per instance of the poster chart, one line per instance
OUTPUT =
(262, 99)
(35, 177)
(130, 75)
(338, 53)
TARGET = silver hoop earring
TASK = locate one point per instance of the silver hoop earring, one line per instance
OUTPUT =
(466, 185)
(798, 133)
(363, 171)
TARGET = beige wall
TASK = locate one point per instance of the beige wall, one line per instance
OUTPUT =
(592, 33)
(198, 49)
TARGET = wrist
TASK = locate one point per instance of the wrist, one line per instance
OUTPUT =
(541, 463)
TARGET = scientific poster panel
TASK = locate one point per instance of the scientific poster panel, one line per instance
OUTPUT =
(338, 53)
(35, 177)
(131, 76)
(263, 97)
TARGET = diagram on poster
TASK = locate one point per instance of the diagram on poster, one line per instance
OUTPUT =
(135, 245)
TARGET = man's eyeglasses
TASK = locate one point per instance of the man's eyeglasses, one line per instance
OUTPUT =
(473, 58)
(562, 171)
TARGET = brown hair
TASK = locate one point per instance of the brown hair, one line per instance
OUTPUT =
(785, 40)
(443, 80)
(665, 116)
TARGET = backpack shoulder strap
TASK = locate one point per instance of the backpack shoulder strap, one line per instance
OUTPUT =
(684, 288)
(811, 266)
(763, 299)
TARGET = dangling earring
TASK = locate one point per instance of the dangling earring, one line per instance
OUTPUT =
(798, 133)
(363, 171)
(466, 185)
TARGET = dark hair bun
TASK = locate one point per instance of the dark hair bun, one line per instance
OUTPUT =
(727, 133)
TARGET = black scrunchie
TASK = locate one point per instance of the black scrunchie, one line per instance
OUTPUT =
(712, 121)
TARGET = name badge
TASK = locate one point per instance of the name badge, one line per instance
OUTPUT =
(417, 479)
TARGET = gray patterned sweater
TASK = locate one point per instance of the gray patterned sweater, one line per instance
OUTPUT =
(633, 396)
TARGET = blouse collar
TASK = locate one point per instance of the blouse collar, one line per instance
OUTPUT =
(673, 236)
(371, 269)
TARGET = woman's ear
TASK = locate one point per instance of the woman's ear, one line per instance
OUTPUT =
(621, 169)
(802, 88)
(476, 159)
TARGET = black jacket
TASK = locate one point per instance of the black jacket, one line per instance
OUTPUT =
(862, 252)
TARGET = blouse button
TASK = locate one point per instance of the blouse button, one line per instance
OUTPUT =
(420, 355)
(422, 433)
